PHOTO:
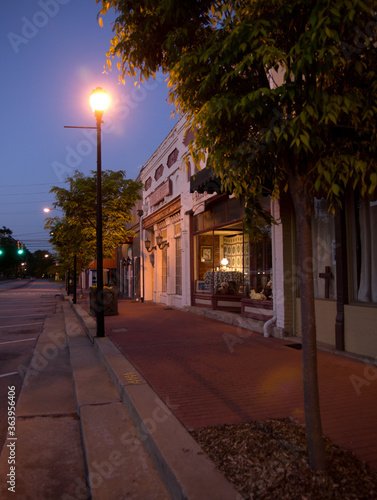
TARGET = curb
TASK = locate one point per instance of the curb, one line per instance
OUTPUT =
(88, 322)
(188, 474)
(116, 463)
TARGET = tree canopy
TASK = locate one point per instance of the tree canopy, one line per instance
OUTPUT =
(74, 232)
(41, 264)
(289, 85)
(281, 94)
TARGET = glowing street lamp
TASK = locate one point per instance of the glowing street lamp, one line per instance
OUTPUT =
(99, 100)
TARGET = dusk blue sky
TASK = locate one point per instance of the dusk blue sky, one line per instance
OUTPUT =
(53, 54)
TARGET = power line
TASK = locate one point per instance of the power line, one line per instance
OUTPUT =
(23, 194)
(33, 239)
(24, 202)
(16, 213)
(29, 185)
(27, 234)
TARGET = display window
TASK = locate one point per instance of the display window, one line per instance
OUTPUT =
(258, 266)
(178, 265)
(323, 245)
(364, 249)
(226, 260)
(219, 260)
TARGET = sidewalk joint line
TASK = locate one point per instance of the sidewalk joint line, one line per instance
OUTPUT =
(22, 324)
(16, 341)
(8, 374)
(101, 404)
(50, 415)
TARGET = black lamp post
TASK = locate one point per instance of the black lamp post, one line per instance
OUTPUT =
(99, 101)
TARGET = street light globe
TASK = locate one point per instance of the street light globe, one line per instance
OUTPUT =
(99, 99)
(46, 210)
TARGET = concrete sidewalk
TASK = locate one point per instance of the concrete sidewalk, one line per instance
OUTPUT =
(208, 372)
(132, 421)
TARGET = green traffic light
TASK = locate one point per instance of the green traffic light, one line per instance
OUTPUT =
(1, 251)
(20, 251)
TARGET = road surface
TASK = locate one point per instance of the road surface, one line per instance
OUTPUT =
(24, 307)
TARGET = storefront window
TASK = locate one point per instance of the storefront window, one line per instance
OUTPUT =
(203, 261)
(164, 269)
(323, 244)
(178, 266)
(364, 242)
(226, 261)
(258, 266)
(219, 260)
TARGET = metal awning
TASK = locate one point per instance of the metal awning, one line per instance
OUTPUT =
(205, 180)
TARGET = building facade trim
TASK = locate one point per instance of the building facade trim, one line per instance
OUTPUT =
(166, 211)
(160, 193)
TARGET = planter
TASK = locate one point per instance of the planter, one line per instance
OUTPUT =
(110, 301)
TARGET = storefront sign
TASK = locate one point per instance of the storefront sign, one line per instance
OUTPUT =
(160, 193)
(167, 210)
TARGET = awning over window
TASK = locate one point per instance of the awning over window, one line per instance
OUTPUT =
(107, 264)
(205, 180)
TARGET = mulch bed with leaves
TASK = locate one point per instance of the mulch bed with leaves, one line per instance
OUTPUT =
(268, 459)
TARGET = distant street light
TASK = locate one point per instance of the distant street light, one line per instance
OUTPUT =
(74, 300)
(99, 100)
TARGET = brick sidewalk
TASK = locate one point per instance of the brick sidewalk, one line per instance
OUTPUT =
(211, 373)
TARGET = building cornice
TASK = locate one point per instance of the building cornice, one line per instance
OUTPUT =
(166, 211)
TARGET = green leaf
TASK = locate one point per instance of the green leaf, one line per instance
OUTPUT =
(304, 139)
(327, 176)
(335, 189)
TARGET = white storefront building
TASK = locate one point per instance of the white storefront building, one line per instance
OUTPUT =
(185, 237)
(165, 240)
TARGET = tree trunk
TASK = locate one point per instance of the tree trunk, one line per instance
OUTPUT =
(302, 202)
